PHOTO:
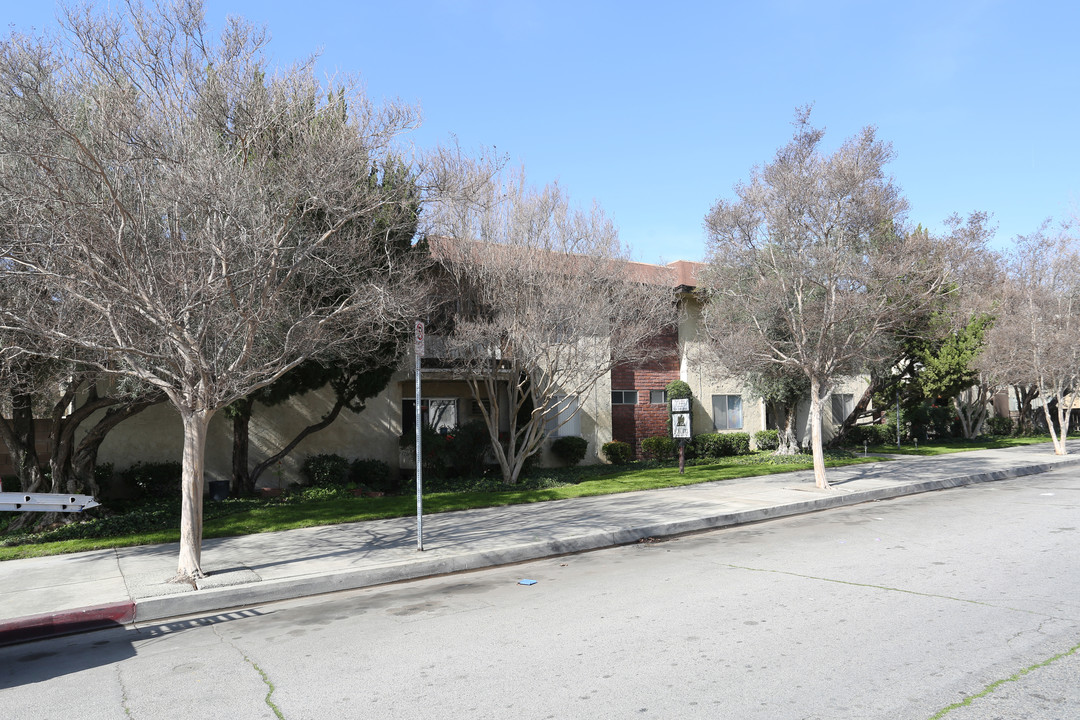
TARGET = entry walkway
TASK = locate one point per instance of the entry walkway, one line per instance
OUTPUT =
(67, 593)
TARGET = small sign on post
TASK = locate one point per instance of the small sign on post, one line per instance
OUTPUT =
(419, 338)
(681, 419)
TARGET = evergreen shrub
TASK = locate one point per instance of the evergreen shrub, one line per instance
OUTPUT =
(570, 450)
(767, 439)
(659, 447)
(617, 453)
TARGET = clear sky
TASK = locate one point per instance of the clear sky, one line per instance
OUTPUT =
(654, 110)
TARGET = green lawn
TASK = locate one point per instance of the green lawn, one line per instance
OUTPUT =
(945, 447)
(271, 516)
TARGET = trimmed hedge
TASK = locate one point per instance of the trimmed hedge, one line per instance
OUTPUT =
(325, 470)
(998, 425)
(617, 453)
(715, 445)
(372, 474)
(767, 439)
(659, 447)
(876, 434)
(678, 389)
(153, 480)
(570, 450)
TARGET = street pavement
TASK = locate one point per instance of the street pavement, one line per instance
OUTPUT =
(41, 597)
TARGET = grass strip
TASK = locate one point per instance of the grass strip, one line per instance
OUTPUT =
(945, 447)
(273, 517)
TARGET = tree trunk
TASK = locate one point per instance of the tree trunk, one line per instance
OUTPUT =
(242, 482)
(789, 439)
(878, 382)
(1025, 394)
(67, 416)
(195, 422)
(859, 410)
(18, 436)
(816, 401)
(84, 459)
(970, 406)
(329, 418)
(507, 456)
(1058, 416)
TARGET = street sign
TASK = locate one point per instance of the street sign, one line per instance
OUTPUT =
(419, 338)
(45, 502)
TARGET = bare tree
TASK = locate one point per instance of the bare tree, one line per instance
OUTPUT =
(808, 268)
(1033, 342)
(550, 302)
(181, 207)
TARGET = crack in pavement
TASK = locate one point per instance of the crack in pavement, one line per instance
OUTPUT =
(123, 691)
(895, 589)
(998, 683)
(262, 674)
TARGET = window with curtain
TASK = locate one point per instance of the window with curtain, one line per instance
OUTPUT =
(727, 412)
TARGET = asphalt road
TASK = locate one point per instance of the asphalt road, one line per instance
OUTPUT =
(896, 609)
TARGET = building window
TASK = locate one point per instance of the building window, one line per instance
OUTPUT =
(440, 413)
(564, 419)
(842, 405)
(624, 397)
(657, 397)
(727, 412)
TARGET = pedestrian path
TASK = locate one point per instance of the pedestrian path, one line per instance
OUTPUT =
(66, 593)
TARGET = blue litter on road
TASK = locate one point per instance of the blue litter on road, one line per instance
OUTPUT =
(526, 582)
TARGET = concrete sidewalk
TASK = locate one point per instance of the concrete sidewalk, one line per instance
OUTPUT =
(69, 593)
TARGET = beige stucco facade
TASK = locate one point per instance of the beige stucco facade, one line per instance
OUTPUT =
(708, 380)
(156, 434)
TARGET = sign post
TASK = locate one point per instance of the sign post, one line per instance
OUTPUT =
(680, 427)
(419, 347)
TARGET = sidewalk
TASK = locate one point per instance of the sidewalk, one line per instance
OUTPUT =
(69, 593)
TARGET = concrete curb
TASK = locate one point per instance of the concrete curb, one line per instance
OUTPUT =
(66, 622)
(236, 596)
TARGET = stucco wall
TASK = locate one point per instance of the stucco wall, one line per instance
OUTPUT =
(701, 369)
(156, 435)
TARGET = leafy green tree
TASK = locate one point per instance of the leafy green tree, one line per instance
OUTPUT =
(948, 373)
(782, 389)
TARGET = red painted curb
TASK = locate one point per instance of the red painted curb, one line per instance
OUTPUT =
(65, 622)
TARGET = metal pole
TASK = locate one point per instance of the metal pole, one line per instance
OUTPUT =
(419, 449)
(898, 419)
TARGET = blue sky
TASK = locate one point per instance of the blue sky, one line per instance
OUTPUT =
(656, 110)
